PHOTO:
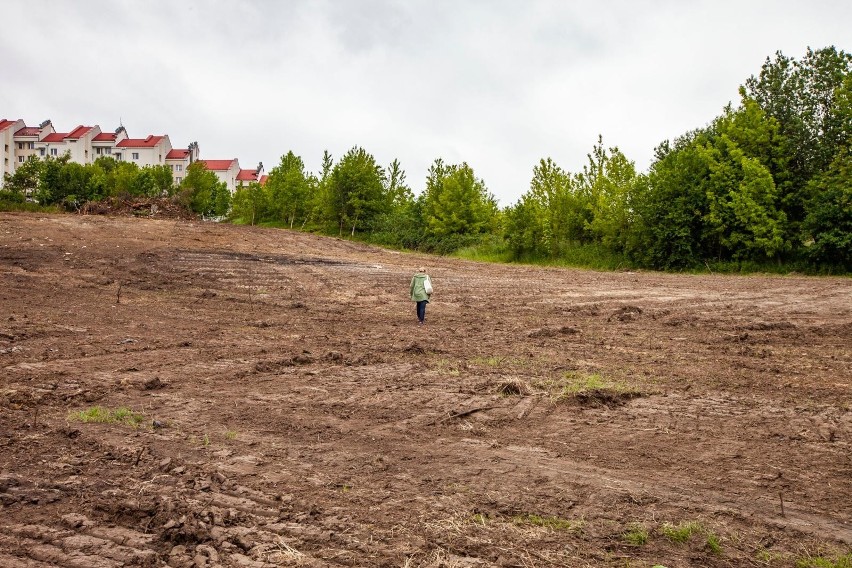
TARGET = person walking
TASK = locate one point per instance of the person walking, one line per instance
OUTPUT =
(421, 291)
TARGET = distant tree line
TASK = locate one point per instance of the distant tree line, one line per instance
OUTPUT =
(59, 181)
(767, 181)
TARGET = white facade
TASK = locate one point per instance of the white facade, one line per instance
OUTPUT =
(226, 170)
(150, 151)
(179, 159)
(7, 143)
(85, 144)
(104, 143)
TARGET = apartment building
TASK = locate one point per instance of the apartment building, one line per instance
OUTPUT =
(246, 177)
(26, 139)
(179, 159)
(85, 144)
(77, 143)
(103, 143)
(226, 170)
(8, 128)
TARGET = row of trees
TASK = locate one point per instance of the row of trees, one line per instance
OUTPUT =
(357, 195)
(58, 181)
(768, 180)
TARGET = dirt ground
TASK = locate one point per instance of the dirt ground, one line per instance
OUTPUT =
(294, 414)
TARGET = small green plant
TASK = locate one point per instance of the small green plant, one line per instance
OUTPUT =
(768, 557)
(493, 361)
(636, 535)
(448, 367)
(230, 435)
(574, 385)
(713, 544)
(103, 415)
(844, 561)
(479, 519)
(682, 532)
(206, 440)
(554, 523)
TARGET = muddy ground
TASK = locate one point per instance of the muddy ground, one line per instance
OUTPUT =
(292, 413)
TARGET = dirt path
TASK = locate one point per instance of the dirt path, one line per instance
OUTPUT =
(295, 415)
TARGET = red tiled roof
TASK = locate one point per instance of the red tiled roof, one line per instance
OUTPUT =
(78, 132)
(149, 142)
(55, 137)
(217, 165)
(247, 175)
(27, 131)
(4, 124)
(177, 154)
(263, 179)
(104, 137)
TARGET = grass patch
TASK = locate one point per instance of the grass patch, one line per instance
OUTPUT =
(230, 435)
(769, 557)
(489, 361)
(713, 544)
(554, 523)
(682, 532)
(585, 388)
(636, 535)
(844, 561)
(448, 367)
(103, 415)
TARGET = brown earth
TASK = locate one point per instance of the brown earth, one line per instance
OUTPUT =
(296, 415)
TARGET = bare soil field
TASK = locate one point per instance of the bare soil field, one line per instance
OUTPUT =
(287, 410)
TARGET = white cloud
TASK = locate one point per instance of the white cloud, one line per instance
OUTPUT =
(499, 84)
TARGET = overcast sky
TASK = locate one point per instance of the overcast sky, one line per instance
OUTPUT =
(498, 84)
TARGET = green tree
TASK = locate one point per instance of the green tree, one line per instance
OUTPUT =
(805, 97)
(743, 220)
(288, 189)
(401, 224)
(672, 209)
(250, 203)
(549, 216)
(457, 202)
(828, 225)
(65, 182)
(202, 192)
(25, 180)
(162, 180)
(356, 190)
(607, 183)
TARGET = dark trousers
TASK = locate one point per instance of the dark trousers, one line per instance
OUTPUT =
(421, 310)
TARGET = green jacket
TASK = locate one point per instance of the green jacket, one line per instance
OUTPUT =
(418, 290)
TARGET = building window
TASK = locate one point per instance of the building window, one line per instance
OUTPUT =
(118, 156)
(98, 151)
(20, 145)
(135, 155)
(20, 159)
(30, 145)
(107, 151)
(178, 180)
(41, 151)
(54, 152)
(179, 167)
